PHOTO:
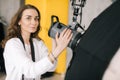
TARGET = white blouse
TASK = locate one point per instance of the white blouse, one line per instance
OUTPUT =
(18, 61)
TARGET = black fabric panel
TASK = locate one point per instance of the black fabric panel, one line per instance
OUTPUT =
(85, 67)
(103, 35)
(97, 47)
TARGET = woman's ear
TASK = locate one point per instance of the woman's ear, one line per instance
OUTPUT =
(19, 23)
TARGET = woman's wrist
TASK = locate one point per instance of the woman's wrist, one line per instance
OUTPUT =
(52, 57)
(57, 51)
(55, 58)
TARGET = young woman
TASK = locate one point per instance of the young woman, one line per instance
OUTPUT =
(26, 56)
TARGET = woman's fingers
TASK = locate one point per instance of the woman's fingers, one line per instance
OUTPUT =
(57, 36)
(63, 32)
(67, 33)
(64, 38)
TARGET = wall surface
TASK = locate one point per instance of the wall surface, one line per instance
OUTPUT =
(8, 8)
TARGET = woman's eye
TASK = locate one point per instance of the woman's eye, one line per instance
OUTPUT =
(37, 18)
(28, 18)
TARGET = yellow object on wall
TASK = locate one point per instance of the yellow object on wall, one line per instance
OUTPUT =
(48, 8)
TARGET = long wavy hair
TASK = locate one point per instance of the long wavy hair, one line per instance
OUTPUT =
(14, 29)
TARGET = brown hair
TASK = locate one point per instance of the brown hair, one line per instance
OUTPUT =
(14, 29)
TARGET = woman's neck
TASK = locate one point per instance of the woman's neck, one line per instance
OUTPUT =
(26, 38)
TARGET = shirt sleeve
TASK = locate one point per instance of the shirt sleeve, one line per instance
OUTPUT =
(43, 51)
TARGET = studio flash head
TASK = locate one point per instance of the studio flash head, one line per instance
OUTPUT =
(57, 26)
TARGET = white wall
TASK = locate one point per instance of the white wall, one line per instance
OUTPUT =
(8, 8)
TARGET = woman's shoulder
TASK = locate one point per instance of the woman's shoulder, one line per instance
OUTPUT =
(17, 40)
(13, 41)
(38, 42)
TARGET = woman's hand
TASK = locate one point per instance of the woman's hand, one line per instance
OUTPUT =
(62, 41)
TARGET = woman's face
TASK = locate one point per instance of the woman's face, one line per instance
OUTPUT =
(29, 21)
